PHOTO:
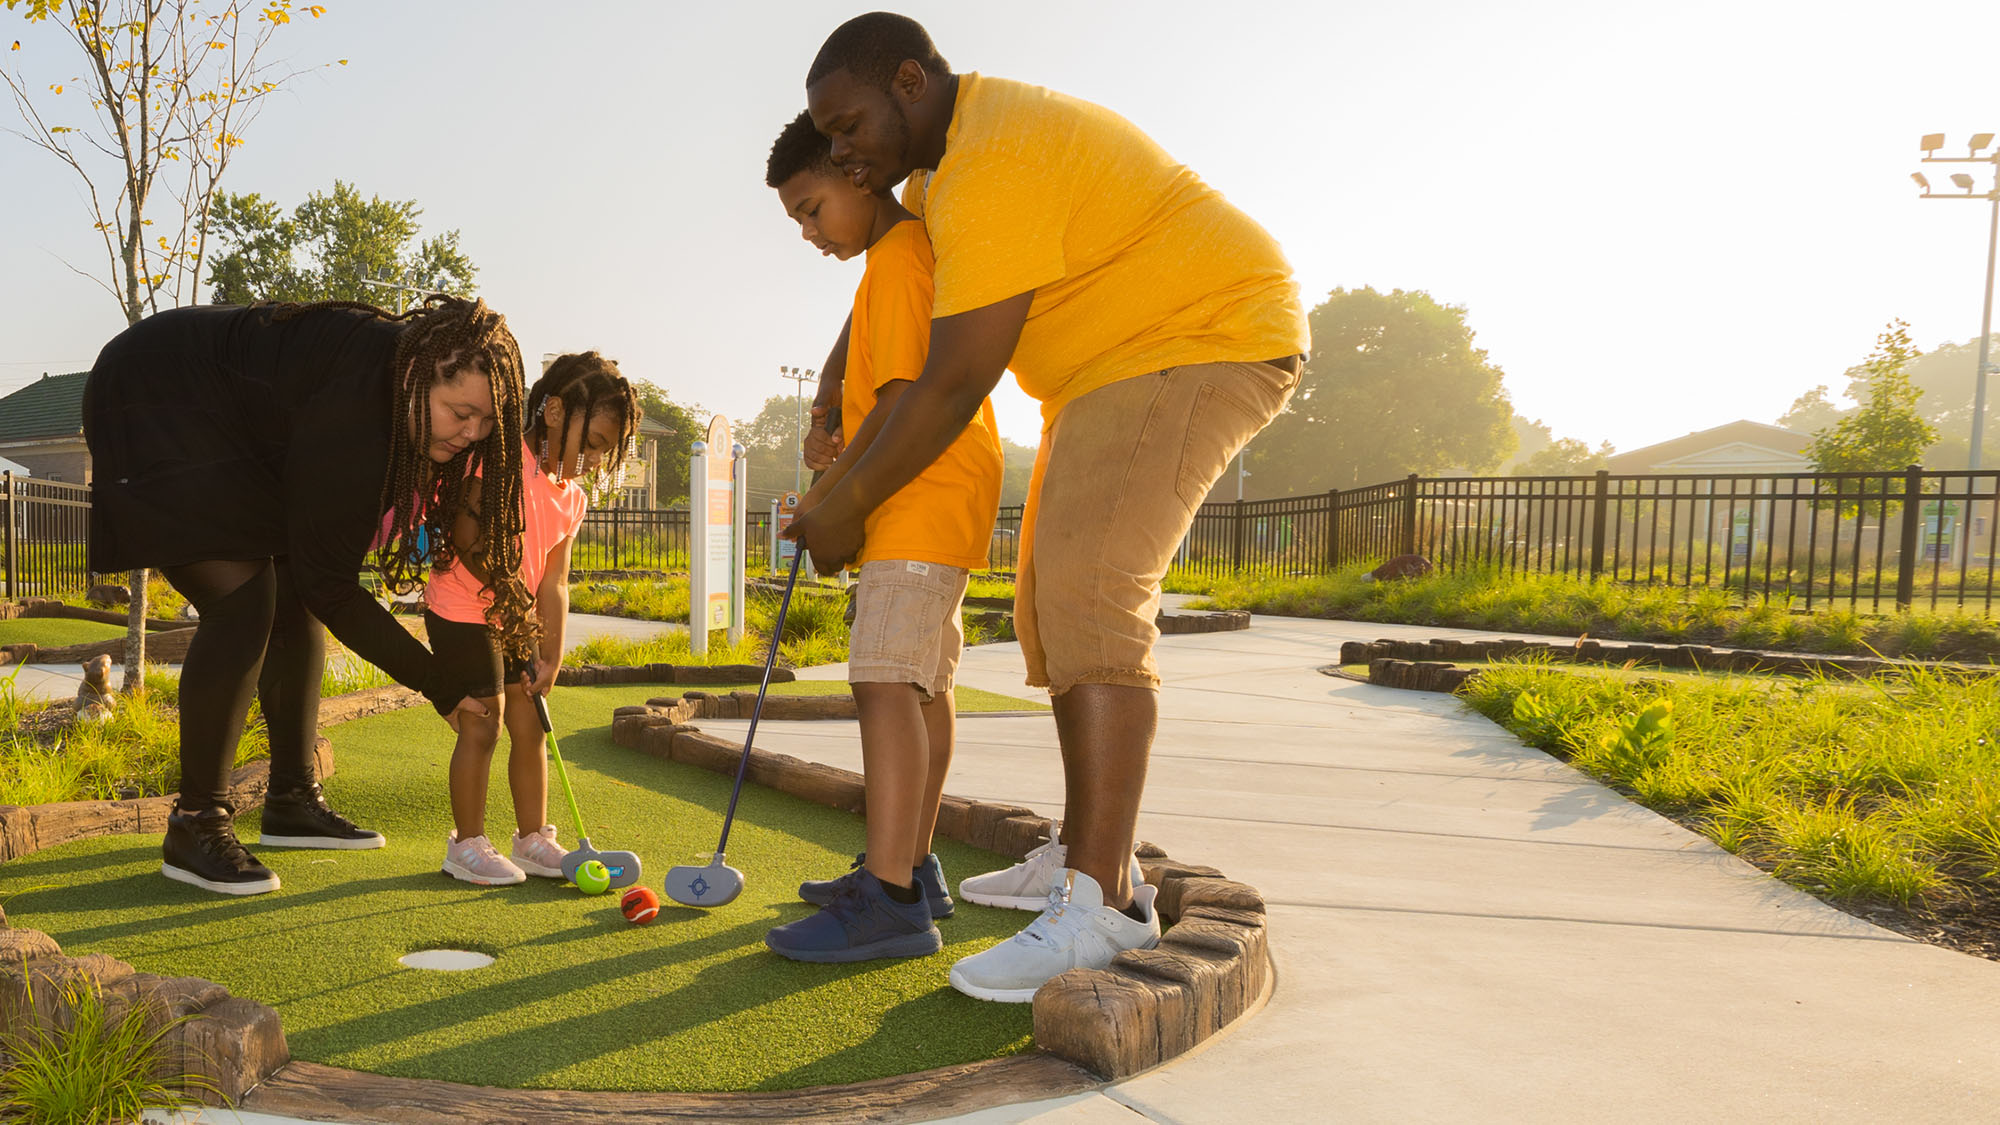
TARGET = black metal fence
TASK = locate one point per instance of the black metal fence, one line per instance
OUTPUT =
(1864, 541)
(657, 539)
(46, 525)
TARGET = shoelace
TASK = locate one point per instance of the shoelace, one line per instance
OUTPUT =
(222, 844)
(1049, 921)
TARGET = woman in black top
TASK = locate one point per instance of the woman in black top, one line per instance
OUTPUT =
(253, 455)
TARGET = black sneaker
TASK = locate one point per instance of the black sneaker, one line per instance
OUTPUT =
(299, 818)
(929, 875)
(201, 849)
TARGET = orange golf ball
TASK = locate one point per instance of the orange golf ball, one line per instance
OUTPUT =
(640, 905)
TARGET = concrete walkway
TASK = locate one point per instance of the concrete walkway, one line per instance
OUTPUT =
(1467, 930)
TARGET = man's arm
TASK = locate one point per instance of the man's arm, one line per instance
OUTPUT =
(886, 397)
(969, 353)
(822, 444)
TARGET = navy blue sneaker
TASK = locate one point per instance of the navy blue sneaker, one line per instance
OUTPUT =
(862, 923)
(929, 875)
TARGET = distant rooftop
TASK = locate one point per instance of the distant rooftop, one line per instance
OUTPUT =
(49, 407)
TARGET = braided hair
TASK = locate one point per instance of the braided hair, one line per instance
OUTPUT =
(587, 385)
(422, 496)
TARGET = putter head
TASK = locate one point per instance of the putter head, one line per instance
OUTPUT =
(624, 868)
(713, 884)
(576, 858)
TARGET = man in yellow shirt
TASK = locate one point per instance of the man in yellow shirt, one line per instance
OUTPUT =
(1161, 329)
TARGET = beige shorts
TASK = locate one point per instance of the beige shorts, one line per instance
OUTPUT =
(1117, 482)
(906, 625)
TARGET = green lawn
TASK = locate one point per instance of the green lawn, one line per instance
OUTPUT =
(55, 632)
(578, 998)
(1859, 791)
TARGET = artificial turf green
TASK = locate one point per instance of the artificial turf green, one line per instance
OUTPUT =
(577, 998)
(56, 632)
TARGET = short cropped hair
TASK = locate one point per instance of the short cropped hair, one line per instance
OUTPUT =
(799, 148)
(871, 47)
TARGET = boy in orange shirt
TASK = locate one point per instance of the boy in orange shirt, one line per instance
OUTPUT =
(919, 547)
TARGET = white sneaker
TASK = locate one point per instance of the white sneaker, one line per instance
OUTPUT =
(538, 853)
(1077, 931)
(1028, 884)
(476, 861)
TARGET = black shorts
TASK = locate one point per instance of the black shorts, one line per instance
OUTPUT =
(470, 657)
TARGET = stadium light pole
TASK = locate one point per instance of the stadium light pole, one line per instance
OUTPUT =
(1930, 145)
(799, 377)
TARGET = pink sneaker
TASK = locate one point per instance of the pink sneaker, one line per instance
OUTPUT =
(476, 861)
(539, 854)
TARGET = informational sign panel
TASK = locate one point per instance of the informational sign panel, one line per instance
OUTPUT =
(784, 549)
(715, 537)
(720, 524)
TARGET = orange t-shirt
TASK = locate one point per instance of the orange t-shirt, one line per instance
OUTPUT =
(1136, 264)
(946, 514)
(551, 511)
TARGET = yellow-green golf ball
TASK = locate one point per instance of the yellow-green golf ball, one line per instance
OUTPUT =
(593, 878)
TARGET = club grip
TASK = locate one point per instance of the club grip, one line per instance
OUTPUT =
(542, 713)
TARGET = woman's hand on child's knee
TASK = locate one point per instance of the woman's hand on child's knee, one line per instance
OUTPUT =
(467, 708)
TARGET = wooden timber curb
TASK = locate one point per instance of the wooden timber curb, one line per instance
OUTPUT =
(26, 829)
(231, 1042)
(1223, 621)
(1212, 966)
(1690, 657)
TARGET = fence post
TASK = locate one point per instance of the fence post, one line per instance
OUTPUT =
(1599, 508)
(1236, 548)
(1906, 563)
(13, 548)
(1332, 529)
(1409, 544)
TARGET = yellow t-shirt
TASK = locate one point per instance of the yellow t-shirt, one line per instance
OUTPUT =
(946, 514)
(1137, 265)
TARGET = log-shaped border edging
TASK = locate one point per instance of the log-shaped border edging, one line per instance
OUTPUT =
(1221, 621)
(231, 1042)
(1693, 657)
(26, 829)
(1211, 966)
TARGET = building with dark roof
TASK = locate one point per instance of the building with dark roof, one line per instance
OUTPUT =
(1734, 447)
(41, 428)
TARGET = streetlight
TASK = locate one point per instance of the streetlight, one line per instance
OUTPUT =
(424, 285)
(799, 377)
(1930, 145)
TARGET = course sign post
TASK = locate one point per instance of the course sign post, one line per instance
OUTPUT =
(715, 569)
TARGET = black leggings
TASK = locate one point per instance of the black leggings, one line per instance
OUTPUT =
(254, 634)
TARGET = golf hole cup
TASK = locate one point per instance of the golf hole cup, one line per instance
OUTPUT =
(640, 905)
(593, 878)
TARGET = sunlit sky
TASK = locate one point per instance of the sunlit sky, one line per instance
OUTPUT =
(1660, 217)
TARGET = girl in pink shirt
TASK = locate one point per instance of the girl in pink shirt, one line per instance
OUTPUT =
(581, 417)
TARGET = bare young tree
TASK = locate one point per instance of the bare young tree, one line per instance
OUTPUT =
(171, 86)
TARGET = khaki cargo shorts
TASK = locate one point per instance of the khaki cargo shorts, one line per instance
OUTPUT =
(906, 625)
(1117, 481)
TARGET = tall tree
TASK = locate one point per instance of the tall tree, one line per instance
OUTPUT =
(1811, 412)
(328, 248)
(1394, 386)
(685, 424)
(171, 86)
(1947, 376)
(1887, 432)
(1564, 457)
